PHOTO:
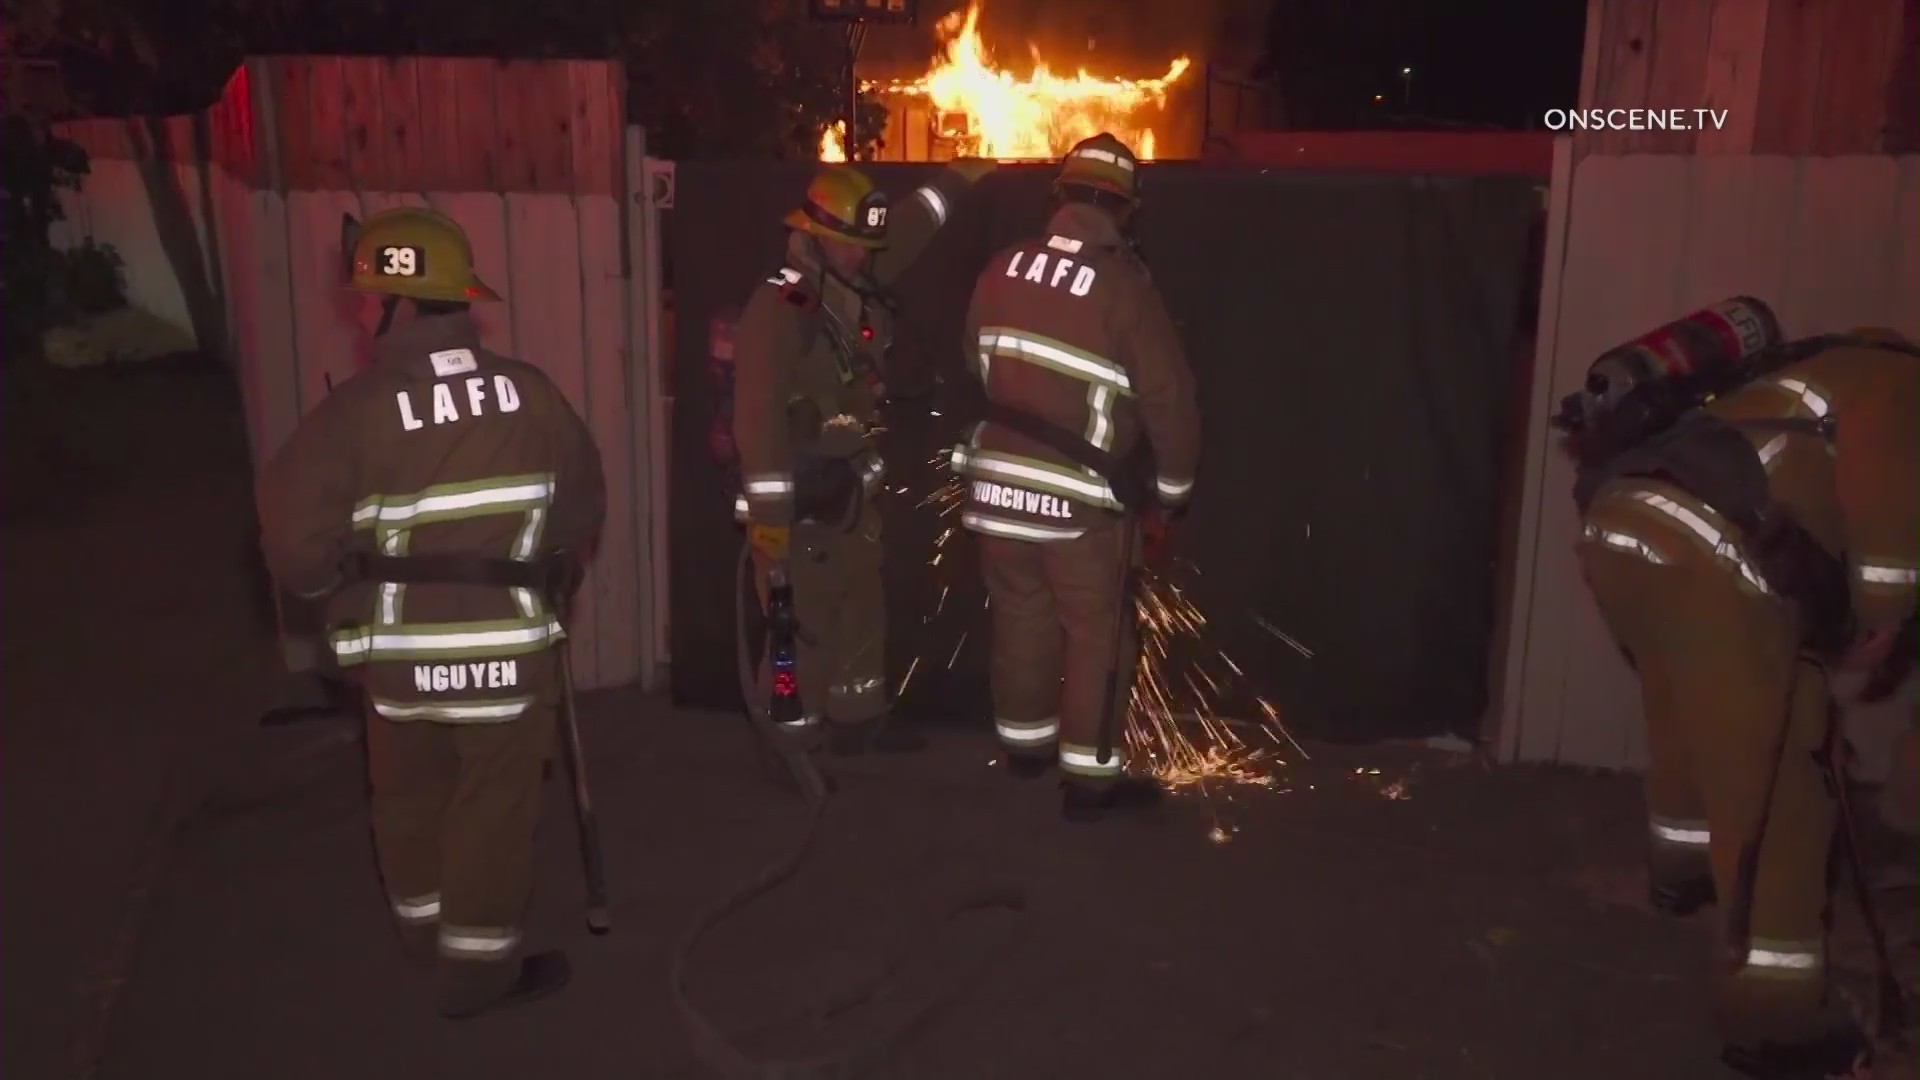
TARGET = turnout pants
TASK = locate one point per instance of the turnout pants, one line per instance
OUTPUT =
(1059, 609)
(840, 603)
(455, 807)
(1720, 673)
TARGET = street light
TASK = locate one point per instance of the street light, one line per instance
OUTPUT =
(1406, 81)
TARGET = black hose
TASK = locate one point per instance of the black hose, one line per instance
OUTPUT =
(709, 1045)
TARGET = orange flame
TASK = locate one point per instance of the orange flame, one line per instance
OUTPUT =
(833, 146)
(986, 111)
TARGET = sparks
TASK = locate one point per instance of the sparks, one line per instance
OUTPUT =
(1175, 732)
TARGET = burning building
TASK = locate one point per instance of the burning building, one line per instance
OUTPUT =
(963, 104)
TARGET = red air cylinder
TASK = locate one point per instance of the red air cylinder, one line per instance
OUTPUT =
(1704, 344)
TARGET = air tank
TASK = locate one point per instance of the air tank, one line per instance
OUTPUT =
(1702, 351)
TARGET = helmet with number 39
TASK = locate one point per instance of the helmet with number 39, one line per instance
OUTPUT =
(842, 204)
(417, 253)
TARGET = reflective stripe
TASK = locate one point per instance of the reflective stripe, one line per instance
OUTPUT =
(1107, 156)
(1810, 399)
(741, 511)
(1057, 355)
(1027, 734)
(425, 641)
(1014, 530)
(1086, 761)
(1172, 490)
(443, 502)
(1790, 959)
(786, 276)
(936, 202)
(1772, 450)
(1633, 545)
(391, 592)
(454, 711)
(769, 484)
(803, 722)
(1879, 573)
(1684, 833)
(524, 547)
(1063, 243)
(477, 942)
(417, 909)
(1042, 474)
(1715, 539)
(1099, 422)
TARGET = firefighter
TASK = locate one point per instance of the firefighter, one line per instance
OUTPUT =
(1079, 361)
(807, 394)
(1732, 654)
(423, 500)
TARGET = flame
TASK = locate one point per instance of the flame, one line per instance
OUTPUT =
(833, 144)
(986, 111)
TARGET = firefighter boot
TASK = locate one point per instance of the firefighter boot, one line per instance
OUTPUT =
(1080, 803)
(875, 736)
(1837, 1053)
(1681, 897)
(541, 975)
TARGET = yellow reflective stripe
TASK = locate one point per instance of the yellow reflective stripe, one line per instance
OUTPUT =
(1054, 354)
(457, 712)
(449, 502)
(1057, 479)
(430, 641)
(1085, 761)
(1031, 734)
(477, 942)
(1016, 530)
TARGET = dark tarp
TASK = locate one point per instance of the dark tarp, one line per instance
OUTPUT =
(1351, 335)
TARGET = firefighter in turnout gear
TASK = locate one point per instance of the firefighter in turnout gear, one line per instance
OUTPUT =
(426, 501)
(1080, 361)
(807, 396)
(1732, 645)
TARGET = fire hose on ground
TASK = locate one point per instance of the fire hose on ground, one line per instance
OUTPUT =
(713, 1048)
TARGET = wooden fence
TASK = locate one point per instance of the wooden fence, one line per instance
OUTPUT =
(241, 207)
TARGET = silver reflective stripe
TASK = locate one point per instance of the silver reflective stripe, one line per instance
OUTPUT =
(1063, 243)
(1810, 399)
(1798, 959)
(1173, 490)
(477, 942)
(803, 722)
(450, 501)
(1772, 450)
(1027, 734)
(1042, 474)
(1880, 573)
(391, 592)
(1714, 537)
(769, 484)
(524, 547)
(454, 711)
(1632, 545)
(1086, 762)
(741, 512)
(1014, 530)
(1107, 156)
(936, 202)
(1099, 420)
(417, 909)
(1061, 357)
(505, 638)
(1681, 833)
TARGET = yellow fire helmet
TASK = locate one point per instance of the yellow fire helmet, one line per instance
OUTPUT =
(414, 252)
(842, 204)
(1103, 163)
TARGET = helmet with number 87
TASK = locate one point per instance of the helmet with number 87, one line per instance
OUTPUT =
(842, 204)
(417, 253)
